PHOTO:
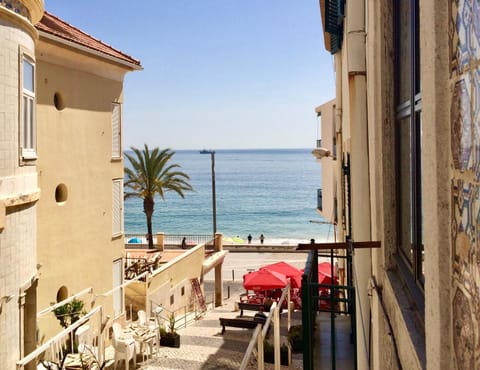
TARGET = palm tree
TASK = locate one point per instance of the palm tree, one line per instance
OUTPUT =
(152, 174)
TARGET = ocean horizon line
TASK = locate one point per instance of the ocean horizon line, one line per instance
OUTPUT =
(234, 149)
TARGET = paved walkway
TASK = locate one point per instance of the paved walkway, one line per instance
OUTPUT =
(203, 347)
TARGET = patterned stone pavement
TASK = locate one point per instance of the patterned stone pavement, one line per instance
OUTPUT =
(203, 347)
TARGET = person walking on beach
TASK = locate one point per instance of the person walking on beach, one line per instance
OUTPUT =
(261, 238)
(249, 237)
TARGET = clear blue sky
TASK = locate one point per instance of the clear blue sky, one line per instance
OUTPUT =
(217, 73)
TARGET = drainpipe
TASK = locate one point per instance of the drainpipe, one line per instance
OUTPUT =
(338, 170)
(359, 170)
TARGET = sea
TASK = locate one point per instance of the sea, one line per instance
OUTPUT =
(269, 191)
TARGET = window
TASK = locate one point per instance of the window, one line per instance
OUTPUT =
(116, 130)
(27, 109)
(117, 207)
(118, 293)
(408, 139)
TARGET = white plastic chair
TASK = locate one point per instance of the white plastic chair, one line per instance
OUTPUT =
(82, 334)
(124, 347)
(149, 340)
(142, 318)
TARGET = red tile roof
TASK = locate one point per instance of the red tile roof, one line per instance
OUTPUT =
(57, 27)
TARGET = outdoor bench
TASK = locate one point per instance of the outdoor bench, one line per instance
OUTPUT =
(253, 307)
(237, 322)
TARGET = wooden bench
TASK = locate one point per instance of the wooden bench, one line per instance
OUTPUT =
(237, 322)
(253, 307)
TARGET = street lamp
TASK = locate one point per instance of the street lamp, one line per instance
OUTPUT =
(214, 207)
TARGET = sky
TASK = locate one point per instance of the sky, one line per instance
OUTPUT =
(218, 74)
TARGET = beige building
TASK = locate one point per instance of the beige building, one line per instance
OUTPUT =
(325, 154)
(408, 130)
(80, 167)
(19, 190)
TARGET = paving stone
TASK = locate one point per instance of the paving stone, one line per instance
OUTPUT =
(203, 347)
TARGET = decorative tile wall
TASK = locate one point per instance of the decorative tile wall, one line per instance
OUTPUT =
(464, 34)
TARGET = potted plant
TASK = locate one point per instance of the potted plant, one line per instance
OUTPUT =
(170, 337)
(69, 313)
(269, 353)
(295, 338)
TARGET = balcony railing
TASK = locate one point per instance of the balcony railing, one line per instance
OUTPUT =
(330, 296)
(319, 143)
(319, 200)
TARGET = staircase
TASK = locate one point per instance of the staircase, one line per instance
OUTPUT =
(198, 294)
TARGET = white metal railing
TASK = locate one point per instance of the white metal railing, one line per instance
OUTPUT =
(59, 304)
(259, 334)
(55, 344)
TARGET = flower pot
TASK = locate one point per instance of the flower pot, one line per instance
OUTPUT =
(170, 340)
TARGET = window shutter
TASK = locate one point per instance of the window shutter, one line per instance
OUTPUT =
(116, 130)
(334, 14)
(117, 207)
(117, 281)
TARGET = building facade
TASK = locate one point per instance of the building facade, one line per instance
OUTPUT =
(325, 154)
(80, 217)
(19, 190)
(408, 123)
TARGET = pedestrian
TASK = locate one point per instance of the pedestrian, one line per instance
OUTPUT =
(184, 243)
(249, 237)
(261, 238)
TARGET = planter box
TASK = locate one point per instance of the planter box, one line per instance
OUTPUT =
(170, 340)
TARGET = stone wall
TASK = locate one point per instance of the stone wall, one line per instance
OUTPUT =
(18, 193)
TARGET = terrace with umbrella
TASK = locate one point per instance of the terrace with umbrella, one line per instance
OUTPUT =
(265, 284)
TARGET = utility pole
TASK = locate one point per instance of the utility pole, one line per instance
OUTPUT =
(214, 203)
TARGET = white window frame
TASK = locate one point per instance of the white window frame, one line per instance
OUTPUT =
(117, 214)
(27, 107)
(116, 131)
(118, 295)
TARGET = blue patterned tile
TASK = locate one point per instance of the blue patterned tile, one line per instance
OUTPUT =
(462, 130)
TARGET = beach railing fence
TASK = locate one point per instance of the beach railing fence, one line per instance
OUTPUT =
(173, 240)
(139, 241)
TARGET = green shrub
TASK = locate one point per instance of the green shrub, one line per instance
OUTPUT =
(269, 353)
(295, 338)
(70, 312)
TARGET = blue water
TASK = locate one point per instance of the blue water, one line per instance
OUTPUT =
(271, 192)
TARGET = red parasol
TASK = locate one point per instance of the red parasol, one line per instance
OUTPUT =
(264, 279)
(289, 271)
(325, 273)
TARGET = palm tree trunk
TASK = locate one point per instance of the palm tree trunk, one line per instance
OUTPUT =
(148, 204)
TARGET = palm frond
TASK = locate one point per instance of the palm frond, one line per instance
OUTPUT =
(151, 174)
